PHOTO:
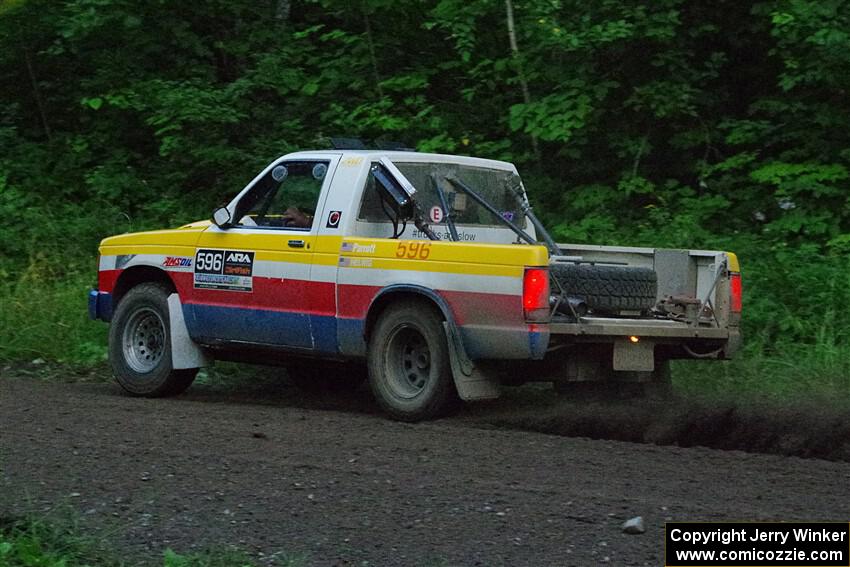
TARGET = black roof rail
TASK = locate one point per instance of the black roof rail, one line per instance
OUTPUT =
(390, 145)
(359, 144)
(348, 144)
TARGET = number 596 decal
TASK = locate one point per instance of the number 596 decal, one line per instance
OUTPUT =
(230, 270)
(413, 250)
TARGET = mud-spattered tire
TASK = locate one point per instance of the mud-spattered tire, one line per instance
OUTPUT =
(140, 345)
(409, 367)
(608, 289)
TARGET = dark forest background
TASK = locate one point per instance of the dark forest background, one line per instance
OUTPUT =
(670, 123)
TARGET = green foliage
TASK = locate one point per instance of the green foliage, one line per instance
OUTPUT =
(37, 542)
(33, 542)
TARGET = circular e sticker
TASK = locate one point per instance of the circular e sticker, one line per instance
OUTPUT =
(436, 214)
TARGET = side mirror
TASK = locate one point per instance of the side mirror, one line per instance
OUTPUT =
(221, 217)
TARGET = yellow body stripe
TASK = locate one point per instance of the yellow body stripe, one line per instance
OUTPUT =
(160, 238)
(173, 250)
(459, 252)
(448, 257)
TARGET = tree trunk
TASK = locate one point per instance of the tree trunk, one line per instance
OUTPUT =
(517, 57)
(282, 10)
(36, 91)
(374, 60)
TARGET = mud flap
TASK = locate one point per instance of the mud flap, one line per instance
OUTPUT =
(471, 382)
(185, 353)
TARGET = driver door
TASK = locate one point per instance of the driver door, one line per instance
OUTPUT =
(252, 279)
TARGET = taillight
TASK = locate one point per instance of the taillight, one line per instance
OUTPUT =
(535, 294)
(735, 292)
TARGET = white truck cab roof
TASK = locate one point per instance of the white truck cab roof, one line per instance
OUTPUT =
(408, 157)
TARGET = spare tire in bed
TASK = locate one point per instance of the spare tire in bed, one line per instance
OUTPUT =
(608, 289)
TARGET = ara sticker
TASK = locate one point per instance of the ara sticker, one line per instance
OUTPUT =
(333, 219)
(230, 270)
(436, 214)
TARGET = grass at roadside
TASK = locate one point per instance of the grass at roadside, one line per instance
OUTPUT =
(30, 542)
(45, 316)
(813, 374)
(36, 542)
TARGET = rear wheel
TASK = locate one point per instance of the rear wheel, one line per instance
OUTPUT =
(409, 367)
(140, 344)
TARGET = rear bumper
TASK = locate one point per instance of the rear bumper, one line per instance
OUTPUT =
(100, 305)
(610, 327)
(601, 330)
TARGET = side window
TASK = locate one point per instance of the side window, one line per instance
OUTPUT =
(370, 208)
(492, 184)
(286, 197)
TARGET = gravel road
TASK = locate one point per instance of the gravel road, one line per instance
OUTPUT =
(352, 488)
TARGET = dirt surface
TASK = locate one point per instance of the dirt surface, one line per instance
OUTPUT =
(352, 488)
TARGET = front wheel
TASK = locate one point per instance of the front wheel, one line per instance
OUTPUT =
(409, 366)
(140, 345)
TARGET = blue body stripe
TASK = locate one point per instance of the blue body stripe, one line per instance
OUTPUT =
(340, 336)
(323, 333)
(351, 336)
(261, 326)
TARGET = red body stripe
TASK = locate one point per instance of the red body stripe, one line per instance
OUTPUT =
(473, 308)
(270, 294)
(274, 294)
(354, 300)
(106, 280)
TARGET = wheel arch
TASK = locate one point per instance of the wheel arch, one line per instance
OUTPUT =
(135, 275)
(393, 293)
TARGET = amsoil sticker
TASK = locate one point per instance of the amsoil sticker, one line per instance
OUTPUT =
(334, 218)
(436, 214)
(230, 270)
(177, 262)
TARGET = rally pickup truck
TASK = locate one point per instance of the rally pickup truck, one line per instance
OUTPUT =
(429, 272)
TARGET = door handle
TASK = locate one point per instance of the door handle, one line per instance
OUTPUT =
(296, 244)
